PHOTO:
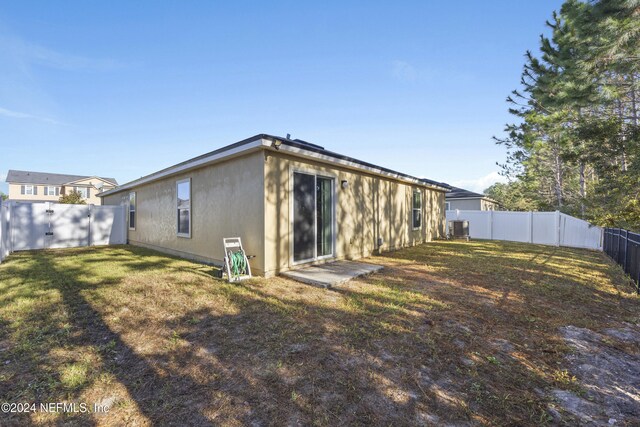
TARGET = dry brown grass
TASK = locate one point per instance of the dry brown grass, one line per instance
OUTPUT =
(447, 332)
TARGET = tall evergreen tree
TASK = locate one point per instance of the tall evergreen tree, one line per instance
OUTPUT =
(576, 144)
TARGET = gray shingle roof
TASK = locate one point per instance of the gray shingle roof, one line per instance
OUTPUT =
(29, 177)
(297, 143)
(458, 193)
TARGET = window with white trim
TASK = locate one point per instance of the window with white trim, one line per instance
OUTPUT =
(447, 206)
(416, 211)
(51, 191)
(84, 191)
(132, 210)
(28, 190)
(183, 207)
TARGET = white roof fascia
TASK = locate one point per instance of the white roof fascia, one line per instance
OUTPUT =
(89, 177)
(263, 143)
(204, 161)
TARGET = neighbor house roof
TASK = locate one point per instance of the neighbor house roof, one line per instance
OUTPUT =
(295, 147)
(461, 193)
(30, 177)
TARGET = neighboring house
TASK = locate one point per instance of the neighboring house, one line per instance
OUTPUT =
(293, 203)
(27, 186)
(459, 198)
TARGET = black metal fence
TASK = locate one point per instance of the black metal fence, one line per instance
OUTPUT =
(623, 247)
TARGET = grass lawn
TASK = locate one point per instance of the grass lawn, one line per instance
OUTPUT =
(458, 332)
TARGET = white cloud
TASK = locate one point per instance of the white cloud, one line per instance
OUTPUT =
(404, 71)
(3, 176)
(32, 53)
(18, 115)
(478, 185)
(19, 62)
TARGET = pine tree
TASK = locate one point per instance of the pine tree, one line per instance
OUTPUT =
(576, 146)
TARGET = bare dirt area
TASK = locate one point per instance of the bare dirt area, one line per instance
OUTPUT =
(448, 333)
(607, 368)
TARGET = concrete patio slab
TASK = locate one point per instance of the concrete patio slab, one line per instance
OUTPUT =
(331, 274)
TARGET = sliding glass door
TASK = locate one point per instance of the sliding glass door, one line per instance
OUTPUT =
(304, 216)
(313, 209)
(324, 216)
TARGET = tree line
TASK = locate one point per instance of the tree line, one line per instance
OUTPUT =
(574, 145)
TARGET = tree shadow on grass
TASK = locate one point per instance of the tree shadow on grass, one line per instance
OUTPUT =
(274, 370)
(259, 365)
(275, 361)
(161, 400)
(387, 353)
(284, 360)
(551, 273)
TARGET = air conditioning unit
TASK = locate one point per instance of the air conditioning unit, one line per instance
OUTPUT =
(459, 229)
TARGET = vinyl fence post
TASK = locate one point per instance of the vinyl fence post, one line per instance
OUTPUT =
(530, 226)
(11, 245)
(48, 226)
(557, 228)
(89, 236)
(491, 225)
(125, 224)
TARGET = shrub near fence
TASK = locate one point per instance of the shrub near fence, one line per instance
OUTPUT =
(623, 247)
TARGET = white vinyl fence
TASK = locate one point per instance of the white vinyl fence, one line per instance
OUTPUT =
(547, 228)
(4, 231)
(26, 226)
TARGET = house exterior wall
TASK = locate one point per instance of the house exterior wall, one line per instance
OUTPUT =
(465, 205)
(15, 191)
(472, 204)
(249, 197)
(226, 201)
(488, 205)
(90, 184)
(369, 208)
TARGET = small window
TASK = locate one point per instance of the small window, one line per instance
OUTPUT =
(417, 209)
(132, 210)
(51, 191)
(447, 206)
(28, 189)
(183, 203)
(83, 191)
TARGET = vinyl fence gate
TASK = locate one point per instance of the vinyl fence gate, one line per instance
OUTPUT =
(46, 225)
(623, 247)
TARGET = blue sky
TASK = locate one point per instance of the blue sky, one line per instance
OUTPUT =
(122, 89)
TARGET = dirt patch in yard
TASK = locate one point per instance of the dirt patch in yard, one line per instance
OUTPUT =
(607, 368)
(448, 333)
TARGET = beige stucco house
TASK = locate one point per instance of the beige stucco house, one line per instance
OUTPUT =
(459, 198)
(293, 203)
(28, 186)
